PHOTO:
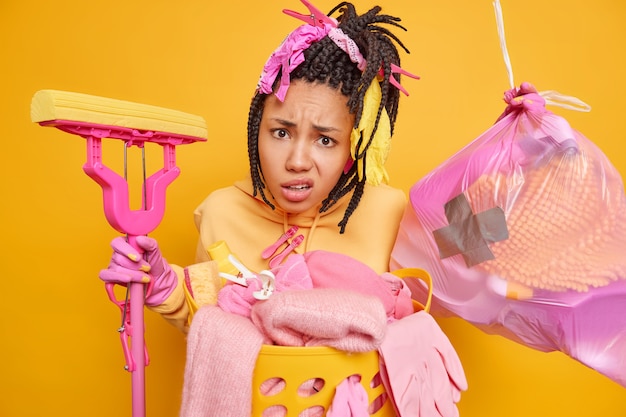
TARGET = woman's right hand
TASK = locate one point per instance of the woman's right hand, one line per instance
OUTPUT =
(128, 265)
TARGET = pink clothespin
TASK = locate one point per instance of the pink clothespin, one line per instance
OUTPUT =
(274, 262)
(392, 80)
(314, 18)
(270, 250)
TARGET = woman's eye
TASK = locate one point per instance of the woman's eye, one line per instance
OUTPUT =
(326, 141)
(280, 133)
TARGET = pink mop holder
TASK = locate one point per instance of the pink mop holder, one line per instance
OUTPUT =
(133, 223)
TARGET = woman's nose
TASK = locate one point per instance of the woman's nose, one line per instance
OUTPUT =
(299, 158)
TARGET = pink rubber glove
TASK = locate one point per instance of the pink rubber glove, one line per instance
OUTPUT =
(422, 371)
(127, 266)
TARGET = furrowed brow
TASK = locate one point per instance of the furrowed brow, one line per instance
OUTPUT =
(284, 122)
(325, 129)
(322, 129)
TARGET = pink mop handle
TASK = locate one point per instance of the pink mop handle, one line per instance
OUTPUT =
(138, 375)
(138, 354)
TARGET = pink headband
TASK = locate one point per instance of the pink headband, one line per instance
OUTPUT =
(290, 52)
(288, 56)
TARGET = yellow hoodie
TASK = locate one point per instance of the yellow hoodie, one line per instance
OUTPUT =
(248, 226)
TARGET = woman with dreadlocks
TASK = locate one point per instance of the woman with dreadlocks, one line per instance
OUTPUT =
(315, 215)
(319, 130)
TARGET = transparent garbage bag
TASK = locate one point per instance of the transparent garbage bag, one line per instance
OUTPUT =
(524, 233)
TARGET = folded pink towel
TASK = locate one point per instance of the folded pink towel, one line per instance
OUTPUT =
(222, 350)
(345, 320)
(334, 270)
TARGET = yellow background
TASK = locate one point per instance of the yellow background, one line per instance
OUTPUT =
(60, 350)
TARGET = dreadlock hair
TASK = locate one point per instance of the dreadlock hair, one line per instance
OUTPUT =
(325, 62)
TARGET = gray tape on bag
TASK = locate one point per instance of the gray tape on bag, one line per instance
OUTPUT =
(470, 234)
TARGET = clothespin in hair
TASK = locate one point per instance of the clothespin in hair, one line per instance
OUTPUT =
(315, 16)
(392, 80)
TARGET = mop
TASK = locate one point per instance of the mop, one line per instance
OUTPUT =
(95, 118)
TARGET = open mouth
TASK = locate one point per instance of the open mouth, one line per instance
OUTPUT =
(296, 192)
(300, 187)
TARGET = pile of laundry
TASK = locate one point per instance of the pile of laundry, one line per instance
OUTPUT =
(320, 299)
